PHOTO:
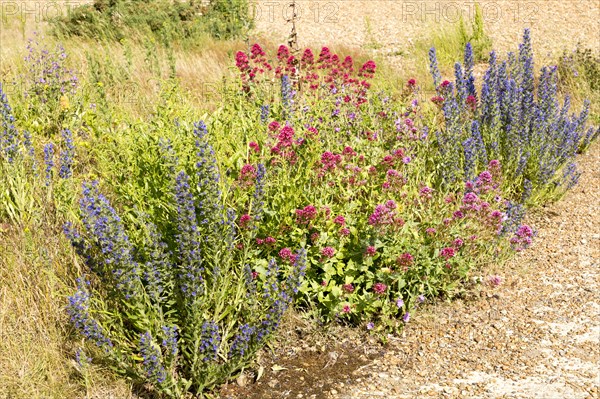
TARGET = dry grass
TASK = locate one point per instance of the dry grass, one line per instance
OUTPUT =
(37, 267)
(36, 344)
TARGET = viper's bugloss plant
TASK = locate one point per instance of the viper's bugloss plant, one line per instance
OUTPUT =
(181, 313)
(9, 135)
(523, 126)
(50, 77)
(67, 155)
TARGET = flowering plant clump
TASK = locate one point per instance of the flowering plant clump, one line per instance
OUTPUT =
(184, 313)
(50, 77)
(355, 203)
(528, 130)
(395, 206)
(327, 72)
(50, 86)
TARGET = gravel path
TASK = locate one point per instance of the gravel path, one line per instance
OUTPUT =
(394, 25)
(535, 336)
(538, 334)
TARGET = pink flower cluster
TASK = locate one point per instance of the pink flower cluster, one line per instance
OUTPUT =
(371, 251)
(437, 100)
(522, 238)
(472, 206)
(306, 215)
(328, 252)
(447, 253)
(407, 128)
(245, 220)
(426, 193)
(247, 175)
(266, 241)
(349, 288)
(471, 102)
(405, 261)
(494, 280)
(394, 180)
(330, 161)
(287, 255)
(485, 182)
(259, 65)
(340, 220)
(385, 215)
(254, 146)
(285, 142)
(327, 71)
(394, 159)
(379, 288)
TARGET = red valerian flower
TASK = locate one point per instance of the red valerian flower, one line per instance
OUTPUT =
(274, 126)
(254, 145)
(328, 252)
(437, 100)
(447, 253)
(340, 220)
(307, 214)
(244, 220)
(471, 102)
(285, 253)
(405, 259)
(349, 288)
(371, 251)
(379, 288)
(368, 69)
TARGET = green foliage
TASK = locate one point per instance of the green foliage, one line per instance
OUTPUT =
(481, 42)
(450, 40)
(167, 21)
(579, 72)
(169, 300)
(226, 19)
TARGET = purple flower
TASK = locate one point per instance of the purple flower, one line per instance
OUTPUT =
(524, 231)
(242, 341)
(169, 343)
(370, 325)
(152, 364)
(399, 303)
(49, 161)
(79, 312)
(470, 198)
(211, 339)
(406, 317)
(67, 155)
(495, 280)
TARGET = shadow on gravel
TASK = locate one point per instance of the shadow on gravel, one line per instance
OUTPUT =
(298, 370)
